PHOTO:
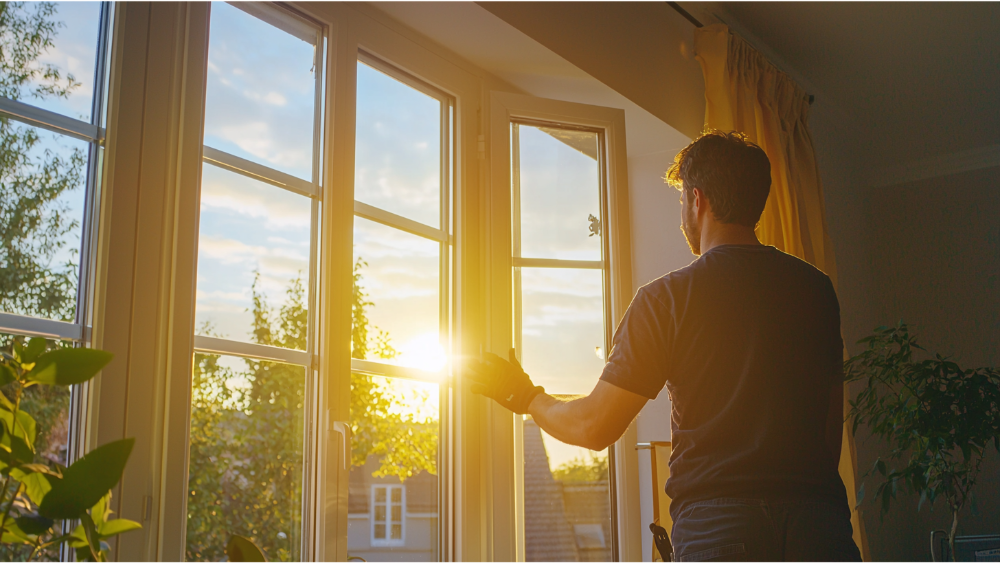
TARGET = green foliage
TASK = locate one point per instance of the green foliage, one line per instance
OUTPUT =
(36, 495)
(936, 418)
(583, 470)
(245, 472)
(405, 443)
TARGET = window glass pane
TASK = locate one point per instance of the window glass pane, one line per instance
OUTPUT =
(398, 276)
(245, 457)
(562, 328)
(398, 151)
(261, 92)
(395, 428)
(42, 199)
(253, 261)
(567, 500)
(70, 30)
(560, 191)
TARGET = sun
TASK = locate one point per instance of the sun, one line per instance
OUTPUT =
(424, 352)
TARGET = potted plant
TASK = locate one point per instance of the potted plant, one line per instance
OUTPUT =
(38, 496)
(936, 418)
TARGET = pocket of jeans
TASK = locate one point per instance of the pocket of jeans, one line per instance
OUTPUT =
(731, 552)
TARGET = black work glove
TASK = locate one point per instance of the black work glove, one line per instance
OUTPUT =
(504, 382)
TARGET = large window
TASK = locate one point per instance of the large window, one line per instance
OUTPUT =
(560, 331)
(254, 379)
(400, 335)
(52, 84)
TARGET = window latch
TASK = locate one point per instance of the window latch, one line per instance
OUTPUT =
(344, 429)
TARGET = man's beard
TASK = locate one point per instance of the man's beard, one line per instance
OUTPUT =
(691, 230)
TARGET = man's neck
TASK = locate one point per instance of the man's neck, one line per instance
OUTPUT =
(717, 234)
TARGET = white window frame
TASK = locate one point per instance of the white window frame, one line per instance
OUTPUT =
(616, 264)
(388, 504)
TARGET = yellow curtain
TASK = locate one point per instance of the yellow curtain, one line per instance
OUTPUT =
(744, 92)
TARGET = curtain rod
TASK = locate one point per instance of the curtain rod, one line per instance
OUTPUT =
(694, 21)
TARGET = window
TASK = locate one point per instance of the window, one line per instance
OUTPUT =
(388, 523)
(254, 378)
(559, 327)
(560, 201)
(400, 331)
(52, 85)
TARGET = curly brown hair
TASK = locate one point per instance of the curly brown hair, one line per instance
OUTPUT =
(732, 171)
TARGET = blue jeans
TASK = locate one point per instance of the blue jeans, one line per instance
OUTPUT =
(734, 529)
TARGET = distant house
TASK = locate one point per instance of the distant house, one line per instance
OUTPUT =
(389, 520)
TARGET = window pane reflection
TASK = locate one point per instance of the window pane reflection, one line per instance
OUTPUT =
(245, 472)
(252, 233)
(261, 92)
(562, 328)
(73, 53)
(42, 199)
(560, 191)
(398, 151)
(398, 274)
(393, 486)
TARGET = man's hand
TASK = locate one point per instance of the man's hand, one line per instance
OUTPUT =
(504, 382)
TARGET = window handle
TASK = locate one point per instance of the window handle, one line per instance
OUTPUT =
(344, 429)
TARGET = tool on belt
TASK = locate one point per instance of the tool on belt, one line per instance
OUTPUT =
(662, 541)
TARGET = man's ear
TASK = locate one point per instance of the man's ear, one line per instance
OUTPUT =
(698, 201)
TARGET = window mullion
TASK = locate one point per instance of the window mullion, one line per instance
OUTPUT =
(50, 121)
(260, 172)
(212, 345)
(390, 219)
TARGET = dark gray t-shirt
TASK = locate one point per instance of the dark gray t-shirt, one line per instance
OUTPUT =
(747, 341)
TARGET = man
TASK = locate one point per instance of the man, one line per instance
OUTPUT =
(746, 340)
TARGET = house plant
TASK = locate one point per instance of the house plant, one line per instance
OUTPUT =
(936, 418)
(37, 497)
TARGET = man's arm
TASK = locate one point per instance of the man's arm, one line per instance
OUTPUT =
(595, 421)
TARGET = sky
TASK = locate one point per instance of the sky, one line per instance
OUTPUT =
(260, 105)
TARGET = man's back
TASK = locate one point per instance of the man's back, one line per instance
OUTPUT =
(747, 340)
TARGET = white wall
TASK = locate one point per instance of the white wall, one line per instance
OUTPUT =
(658, 247)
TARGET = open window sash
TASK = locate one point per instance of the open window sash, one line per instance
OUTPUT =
(523, 130)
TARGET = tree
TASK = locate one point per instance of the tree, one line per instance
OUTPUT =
(245, 468)
(404, 443)
(582, 470)
(33, 221)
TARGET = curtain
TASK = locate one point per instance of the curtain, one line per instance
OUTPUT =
(744, 92)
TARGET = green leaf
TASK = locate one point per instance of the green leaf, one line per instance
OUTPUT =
(93, 539)
(861, 496)
(117, 526)
(36, 483)
(21, 452)
(7, 375)
(880, 465)
(35, 348)
(13, 534)
(68, 366)
(100, 512)
(33, 524)
(25, 427)
(86, 481)
(242, 549)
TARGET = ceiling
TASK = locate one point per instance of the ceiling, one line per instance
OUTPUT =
(916, 81)
(495, 46)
